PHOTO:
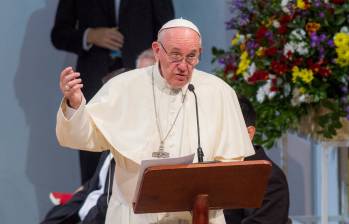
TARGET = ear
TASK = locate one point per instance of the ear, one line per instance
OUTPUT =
(251, 131)
(156, 49)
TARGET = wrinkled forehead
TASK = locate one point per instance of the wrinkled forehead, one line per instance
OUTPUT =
(180, 36)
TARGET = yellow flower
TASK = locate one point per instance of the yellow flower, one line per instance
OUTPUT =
(242, 47)
(342, 62)
(305, 75)
(295, 73)
(260, 52)
(341, 51)
(302, 5)
(268, 22)
(235, 41)
(244, 63)
(341, 39)
(302, 90)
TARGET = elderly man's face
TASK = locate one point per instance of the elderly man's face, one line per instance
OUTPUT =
(177, 51)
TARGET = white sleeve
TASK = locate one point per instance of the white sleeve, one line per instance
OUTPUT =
(69, 112)
(75, 129)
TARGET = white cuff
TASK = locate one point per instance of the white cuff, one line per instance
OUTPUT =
(85, 45)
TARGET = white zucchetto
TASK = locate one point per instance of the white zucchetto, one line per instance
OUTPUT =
(180, 23)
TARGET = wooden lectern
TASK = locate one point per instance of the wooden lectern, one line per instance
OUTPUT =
(202, 186)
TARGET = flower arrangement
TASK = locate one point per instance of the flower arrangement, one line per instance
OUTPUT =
(289, 57)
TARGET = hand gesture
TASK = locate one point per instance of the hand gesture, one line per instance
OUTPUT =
(109, 38)
(70, 85)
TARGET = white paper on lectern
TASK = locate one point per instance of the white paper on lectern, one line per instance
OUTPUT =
(159, 162)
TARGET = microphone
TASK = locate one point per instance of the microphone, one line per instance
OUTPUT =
(199, 150)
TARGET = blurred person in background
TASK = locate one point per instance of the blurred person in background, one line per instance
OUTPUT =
(106, 35)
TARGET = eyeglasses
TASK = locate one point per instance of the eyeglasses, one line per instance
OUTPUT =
(178, 58)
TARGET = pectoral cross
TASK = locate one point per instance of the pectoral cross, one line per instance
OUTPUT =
(161, 153)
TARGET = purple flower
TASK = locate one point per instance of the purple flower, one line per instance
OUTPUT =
(317, 3)
(243, 21)
(322, 54)
(321, 15)
(238, 4)
(347, 109)
(330, 43)
(251, 47)
(344, 89)
(221, 61)
(269, 34)
(322, 37)
(250, 44)
(314, 40)
(344, 100)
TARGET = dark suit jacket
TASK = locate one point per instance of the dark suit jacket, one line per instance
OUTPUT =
(139, 22)
(275, 206)
(69, 213)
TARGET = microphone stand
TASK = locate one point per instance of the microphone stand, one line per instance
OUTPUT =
(199, 150)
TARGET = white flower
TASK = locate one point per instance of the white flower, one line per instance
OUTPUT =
(297, 35)
(284, 4)
(344, 29)
(250, 71)
(287, 89)
(276, 24)
(264, 91)
(260, 95)
(286, 10)
(299, 47)
(240, 38)
(230, 75)
(301, 98)
(289, 47)
(271, 95)
(298, 98)
(302, 48)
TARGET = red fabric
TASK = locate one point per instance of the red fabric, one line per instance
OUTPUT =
(60, 198)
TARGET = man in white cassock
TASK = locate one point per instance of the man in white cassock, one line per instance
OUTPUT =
(145, 111)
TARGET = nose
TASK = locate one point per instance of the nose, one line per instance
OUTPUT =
(182, 66)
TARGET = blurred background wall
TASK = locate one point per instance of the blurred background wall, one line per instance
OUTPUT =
(31, 162)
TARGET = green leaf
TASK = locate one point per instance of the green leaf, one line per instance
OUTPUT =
(340, 20)
(339, 11)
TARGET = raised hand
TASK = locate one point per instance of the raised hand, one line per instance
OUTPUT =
(70, 85)
(109, 38)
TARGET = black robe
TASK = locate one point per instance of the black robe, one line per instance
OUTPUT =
(275, 206)
(69, 212)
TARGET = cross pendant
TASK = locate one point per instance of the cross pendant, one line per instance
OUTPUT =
(161, 153)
